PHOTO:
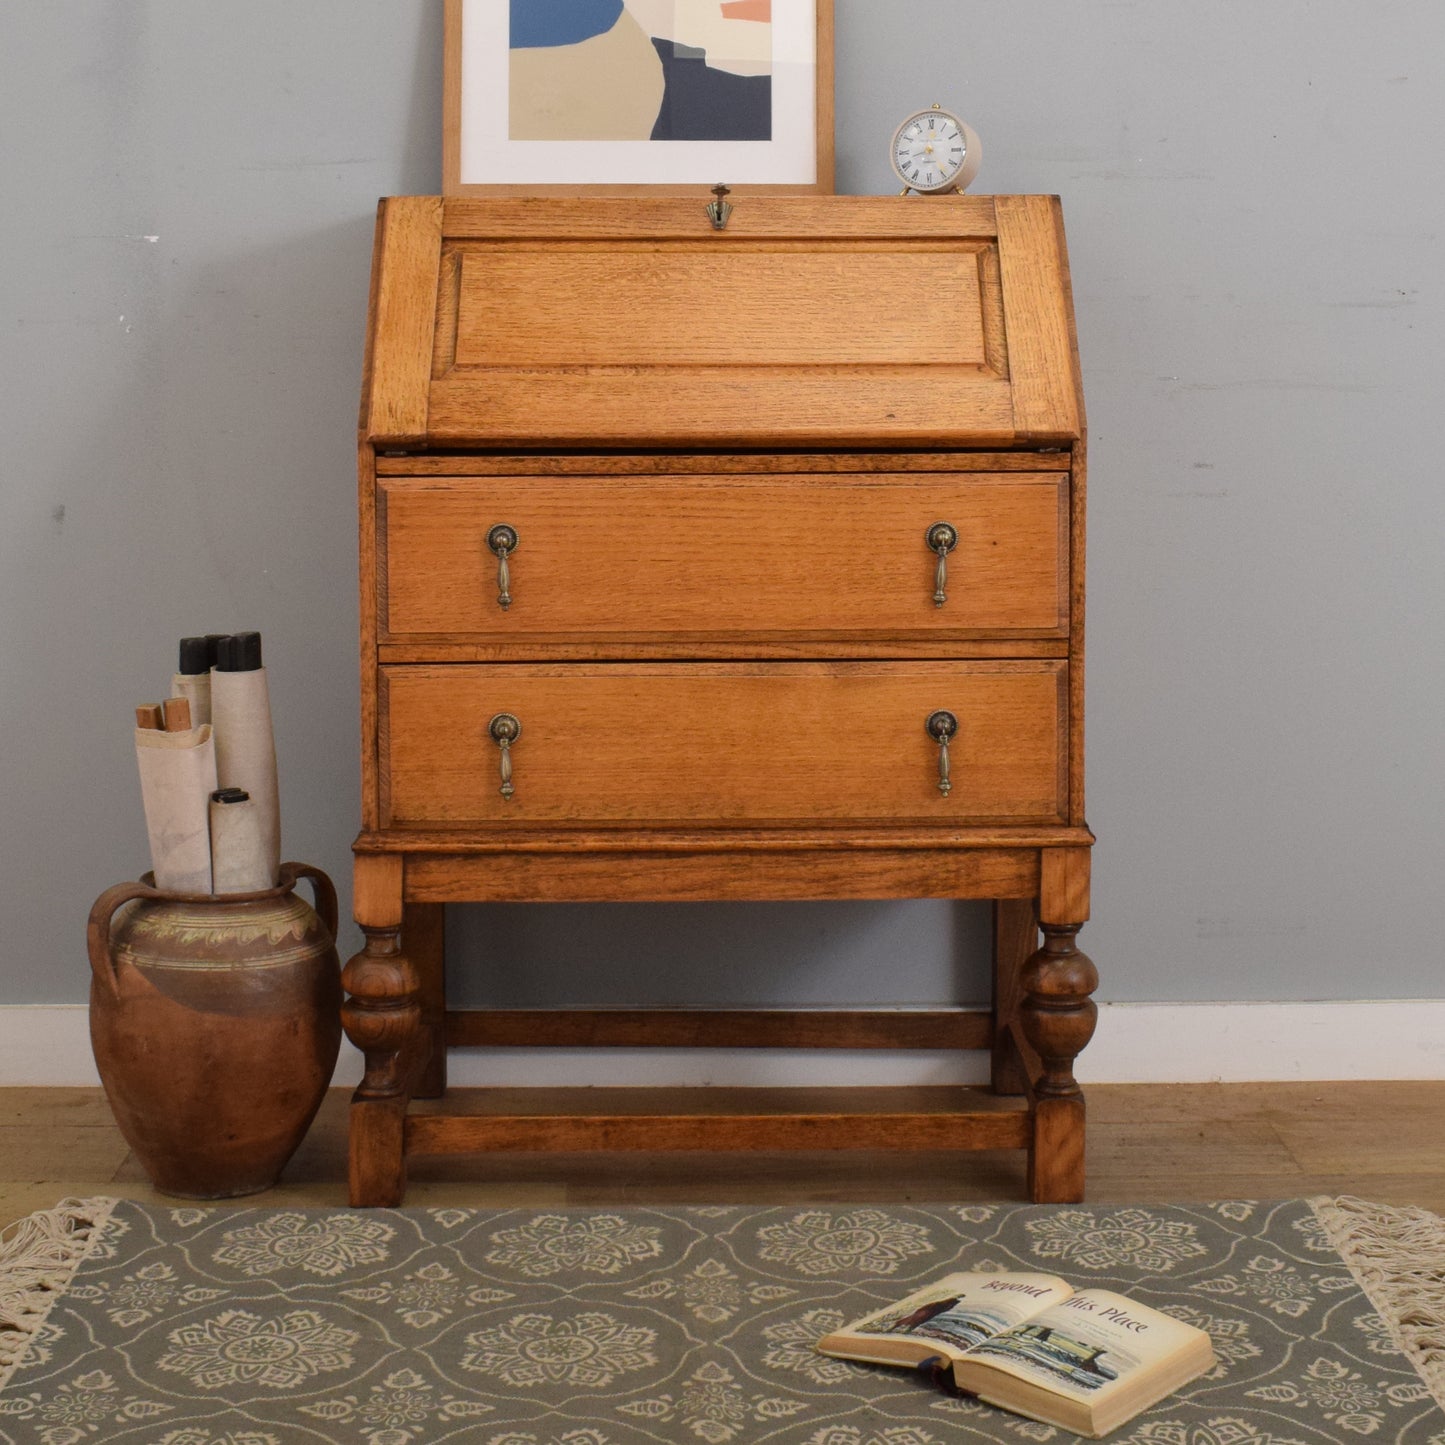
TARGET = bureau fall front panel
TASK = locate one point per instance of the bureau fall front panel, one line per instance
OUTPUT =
(723, 742)
(728, 556)
(632, 322)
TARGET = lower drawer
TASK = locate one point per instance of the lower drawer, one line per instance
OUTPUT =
(715, 742)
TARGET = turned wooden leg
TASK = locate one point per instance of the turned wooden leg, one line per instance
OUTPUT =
(1057, 1016)
(1015, 938)
(1058, 1019)
(382, 1018)
(423, 937)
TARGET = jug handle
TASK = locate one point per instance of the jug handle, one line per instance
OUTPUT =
(97, 930)
(324, 890)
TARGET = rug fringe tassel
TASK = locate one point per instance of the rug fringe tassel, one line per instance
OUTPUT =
(38, 1256)
(1397, 1256)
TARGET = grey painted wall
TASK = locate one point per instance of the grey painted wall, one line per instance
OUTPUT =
(1255, 216)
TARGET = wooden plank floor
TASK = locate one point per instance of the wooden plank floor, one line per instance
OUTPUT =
(1147, 1143)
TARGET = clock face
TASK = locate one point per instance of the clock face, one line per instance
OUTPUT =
(929, 151)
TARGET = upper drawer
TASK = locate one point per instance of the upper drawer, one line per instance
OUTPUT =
(791, 557)
(810, 321)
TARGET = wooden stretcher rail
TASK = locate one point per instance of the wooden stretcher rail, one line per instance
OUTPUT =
(467, 1134)
(720, 1028)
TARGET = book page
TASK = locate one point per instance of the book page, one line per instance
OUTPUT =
(954, 1314)
(1088, 1346)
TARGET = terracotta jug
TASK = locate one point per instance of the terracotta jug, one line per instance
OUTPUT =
(216, 1021)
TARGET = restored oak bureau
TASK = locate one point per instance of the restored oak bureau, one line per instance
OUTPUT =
(741, 563)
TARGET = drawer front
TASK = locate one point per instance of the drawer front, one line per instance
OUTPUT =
(727, 556)
(723, 742)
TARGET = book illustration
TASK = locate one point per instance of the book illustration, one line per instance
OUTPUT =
(957, 1313)
(1058, 1355)
(948, 1319)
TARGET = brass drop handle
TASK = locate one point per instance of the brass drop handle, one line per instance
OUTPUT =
(505, 730)
(502, 539)
(941, 727)
(942, 537)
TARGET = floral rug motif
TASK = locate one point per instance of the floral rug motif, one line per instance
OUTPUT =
(685, 1326)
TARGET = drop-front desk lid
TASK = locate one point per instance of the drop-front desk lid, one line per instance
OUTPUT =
(815, 321)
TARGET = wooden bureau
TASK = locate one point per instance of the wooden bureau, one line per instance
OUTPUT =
(721, 564)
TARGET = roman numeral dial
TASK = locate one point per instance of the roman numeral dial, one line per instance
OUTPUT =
(935, 152)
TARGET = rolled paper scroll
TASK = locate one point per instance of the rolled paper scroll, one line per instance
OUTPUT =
(245, 747)
(192, 679)
(177, 778)
(239, 862)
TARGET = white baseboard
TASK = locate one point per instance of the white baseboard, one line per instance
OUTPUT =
(1135, 1043)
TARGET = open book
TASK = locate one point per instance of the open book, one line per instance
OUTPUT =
(1084, 1360)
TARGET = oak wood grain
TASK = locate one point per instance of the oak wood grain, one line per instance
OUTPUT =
(403, 318)
(712, 463)
(647, 875)
(739, 557)
(1078, 486)
(376, 899)
(782, 307)
(722, 837)
(804, 647)
(370, 586)
(716, 448)
(676, 217)
(739, 741)
(785, 330)
(376, 1167)
(696, 406)
(444, 1134)
(1056, 1151)
(1064, 886)
(1041, 350)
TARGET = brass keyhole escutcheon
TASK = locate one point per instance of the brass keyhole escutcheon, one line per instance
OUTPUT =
(502, 539)
(720, 209)
(505, 729)
(942, 726)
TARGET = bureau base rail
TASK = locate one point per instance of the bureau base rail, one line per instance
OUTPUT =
(670, 1133)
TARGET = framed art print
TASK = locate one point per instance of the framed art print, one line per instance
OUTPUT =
(599, 95)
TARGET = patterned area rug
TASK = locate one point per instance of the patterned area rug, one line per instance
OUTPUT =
(190, 1326)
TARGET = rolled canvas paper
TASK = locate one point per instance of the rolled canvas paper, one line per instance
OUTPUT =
(177, 778)
(239, 860)
(246, 751)
(196, 687)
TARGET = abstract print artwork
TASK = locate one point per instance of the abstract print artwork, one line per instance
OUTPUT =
(567, 95)
(640, 70)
